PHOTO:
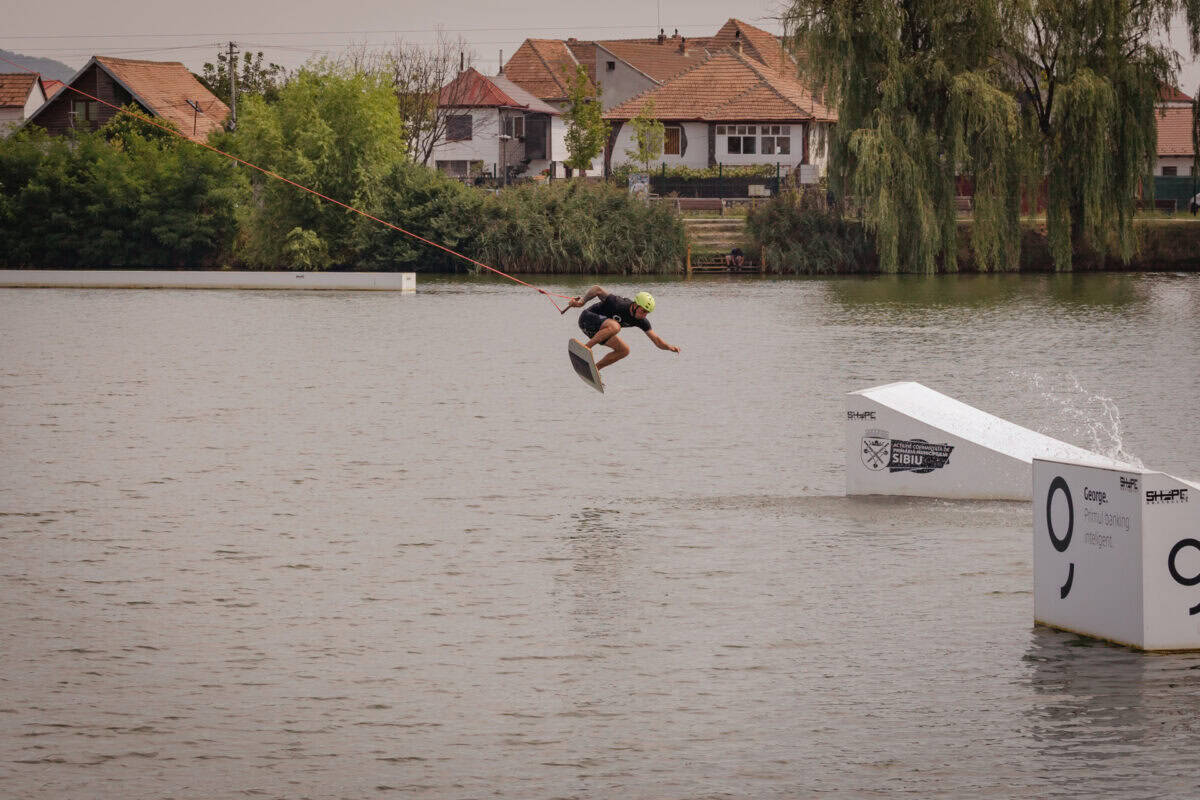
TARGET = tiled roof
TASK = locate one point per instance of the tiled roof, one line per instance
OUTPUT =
(52, 87)
(473, 90)
(1174, 130)
(164, 87)
(1171, 94)
(659, 61)
(543, 67)
(524, 99)
(729, 87)
(15, 88)
(757, 43)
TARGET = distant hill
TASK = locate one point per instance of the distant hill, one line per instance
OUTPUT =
(50, 69)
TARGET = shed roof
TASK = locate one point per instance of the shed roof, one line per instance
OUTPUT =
(15, 88)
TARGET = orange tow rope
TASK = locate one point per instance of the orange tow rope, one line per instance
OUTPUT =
(549, 295)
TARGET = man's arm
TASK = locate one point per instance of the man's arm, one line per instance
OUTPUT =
(659, 343)
(594, 292)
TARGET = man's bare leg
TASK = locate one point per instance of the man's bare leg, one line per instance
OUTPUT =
(619, 351)
(607, 330)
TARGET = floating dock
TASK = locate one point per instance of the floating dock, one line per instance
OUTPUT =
(207, 279)
(907, 439)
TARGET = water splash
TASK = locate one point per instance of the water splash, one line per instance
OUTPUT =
(1089, 416)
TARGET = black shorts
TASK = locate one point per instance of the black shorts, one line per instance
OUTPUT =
(590, 322)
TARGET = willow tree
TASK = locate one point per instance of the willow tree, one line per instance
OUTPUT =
(917, 108)
(1088, 75)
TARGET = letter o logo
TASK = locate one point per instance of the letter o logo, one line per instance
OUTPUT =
(1059, 484)
(1182, 543)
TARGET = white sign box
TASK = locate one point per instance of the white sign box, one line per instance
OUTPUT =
(1116, 554)
(907, 439)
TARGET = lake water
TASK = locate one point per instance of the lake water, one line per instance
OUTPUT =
(276, 544)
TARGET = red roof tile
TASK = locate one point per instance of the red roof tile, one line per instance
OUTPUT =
(473, 90)
(52, 87)
(15, 88)
(543, 67)
(165, 87)
(661, 62)
(1171, 94)
(757, 43)
(729, 87)
(1174, 130)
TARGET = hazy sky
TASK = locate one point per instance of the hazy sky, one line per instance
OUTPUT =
(73, 30)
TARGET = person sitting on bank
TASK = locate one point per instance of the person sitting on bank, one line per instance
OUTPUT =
(735, 258)
(604, 320)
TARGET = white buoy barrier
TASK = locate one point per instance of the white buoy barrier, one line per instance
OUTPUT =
(1116, 554)
(907, 439)
(206, 279)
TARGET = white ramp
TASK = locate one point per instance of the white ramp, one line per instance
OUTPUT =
(906, 439)
(1116, 554)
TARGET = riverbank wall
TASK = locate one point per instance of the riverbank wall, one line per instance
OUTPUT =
(207, 279)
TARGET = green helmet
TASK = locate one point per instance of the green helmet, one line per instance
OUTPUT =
(645, 300)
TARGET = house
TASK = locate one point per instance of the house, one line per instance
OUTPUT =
(163, 89)
(733, 98)
(1174, 120)
(494, 126)
(21, 94)
(623, 68)
(731, 109)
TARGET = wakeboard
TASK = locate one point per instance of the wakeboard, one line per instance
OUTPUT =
(584, 364)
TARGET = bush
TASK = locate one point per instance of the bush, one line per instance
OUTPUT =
(86, 201)
(799, 233)
(578, 227)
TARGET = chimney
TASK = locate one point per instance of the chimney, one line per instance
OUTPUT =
(462, 60)
(675, 35)
(737, 41)
(683, 45)
(572, 40)
(501, 70)
(662, 36)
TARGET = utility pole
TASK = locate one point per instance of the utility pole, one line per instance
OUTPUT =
(232, 64)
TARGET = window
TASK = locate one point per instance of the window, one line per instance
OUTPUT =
(610, 65)
(734, 145)
(458, 128)
(514, 126)
(720, 130)
(1170, 171)
(672, 140)
(84, 110)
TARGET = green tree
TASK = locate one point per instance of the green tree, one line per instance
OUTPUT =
(587, 132)
(648, 136)
(1088, 75)
(334, 131)
(253, 77)
(1009, 93)
(916, 107)
(84, 201)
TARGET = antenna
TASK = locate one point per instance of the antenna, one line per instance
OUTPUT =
(660, 14)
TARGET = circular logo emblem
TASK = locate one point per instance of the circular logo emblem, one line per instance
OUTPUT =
(1192, 581)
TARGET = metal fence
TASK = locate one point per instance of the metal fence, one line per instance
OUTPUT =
(714, 187)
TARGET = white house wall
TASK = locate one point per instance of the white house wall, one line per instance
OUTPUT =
(696, 155)
(484, 144)
(1182, 165)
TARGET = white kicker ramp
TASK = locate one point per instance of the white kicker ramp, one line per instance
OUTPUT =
(907, 439)
(1116, 554)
